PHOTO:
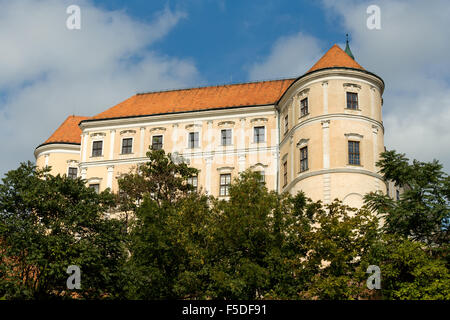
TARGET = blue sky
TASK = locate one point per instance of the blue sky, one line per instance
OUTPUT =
(225, 37)
(48, 72)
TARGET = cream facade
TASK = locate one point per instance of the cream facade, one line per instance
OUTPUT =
(312, 138)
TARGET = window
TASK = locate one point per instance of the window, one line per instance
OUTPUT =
(304, 107)
(284, 173)
(225, 181)
(397, 194)
(193, 139)
(97, 148)
(193, 181)
(353, 152)
(303, 159)
(95, 186)
(73, 172)
(226, 137)
(352, 100)
(157, 142)
(258, 133)
(286, 123)
(262, 179)
(127, 145)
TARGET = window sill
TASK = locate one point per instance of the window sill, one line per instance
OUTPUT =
(349, 109)
(94, 157)
(354, 165)
(126, 154)
(306, 170)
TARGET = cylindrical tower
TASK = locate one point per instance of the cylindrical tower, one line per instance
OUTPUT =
(61, 151)
(332, 131)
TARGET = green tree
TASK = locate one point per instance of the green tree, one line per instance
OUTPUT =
(168, 236)
(423, 211)
(413, 249)
(408, 270)
(48, 223)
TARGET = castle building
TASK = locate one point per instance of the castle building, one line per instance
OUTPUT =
(321, 133)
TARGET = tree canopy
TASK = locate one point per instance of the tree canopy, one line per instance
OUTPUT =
(254, 244)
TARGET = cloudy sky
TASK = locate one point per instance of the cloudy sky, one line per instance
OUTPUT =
(48, 72)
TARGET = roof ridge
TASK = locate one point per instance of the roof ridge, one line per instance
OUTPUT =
(217, 85)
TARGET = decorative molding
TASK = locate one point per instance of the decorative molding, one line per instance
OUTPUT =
(353, 135)
(226, 123)
(159, 129)
(192, 126)
(302, 143)
(309, 174)
(259, 120)
(123, 132)
(72, 162)
(284, 157)
(352, 86)
(325, 124)
(375, 129)
(94, 180)
(97, 135)
(225, 169)
(259, 165)
(303, 93)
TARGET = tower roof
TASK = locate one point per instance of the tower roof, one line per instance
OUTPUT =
(347, 49)
(336, 57)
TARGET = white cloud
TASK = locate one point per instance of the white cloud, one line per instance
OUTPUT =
(49, 72)
(290, 56)
(410, 53)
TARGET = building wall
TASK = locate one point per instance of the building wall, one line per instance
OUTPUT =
(59, 157)
(325, 130)
(211, 158)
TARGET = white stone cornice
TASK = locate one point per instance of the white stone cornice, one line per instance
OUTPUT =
(57, 148)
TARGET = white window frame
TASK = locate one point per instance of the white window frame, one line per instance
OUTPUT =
(199, 139)
(92, 148)
(154, 135)
(265, 134)
(121, 145)
(232, 137)
(72, 167)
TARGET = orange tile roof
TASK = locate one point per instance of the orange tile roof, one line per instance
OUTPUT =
(335, 57)
(214, 97)
(68, 131)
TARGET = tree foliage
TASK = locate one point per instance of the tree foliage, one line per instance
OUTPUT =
(48, 223)
(255, 244)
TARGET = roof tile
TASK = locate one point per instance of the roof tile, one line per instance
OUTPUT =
(335, 57)
(68, 131)
(215, 97)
